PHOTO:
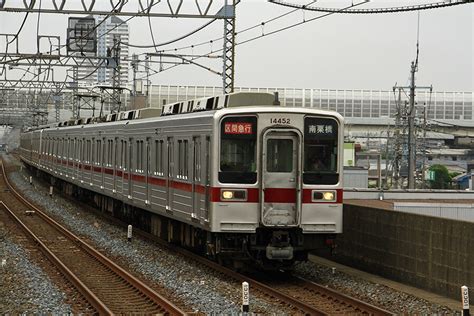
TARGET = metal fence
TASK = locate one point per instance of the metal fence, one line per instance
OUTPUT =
(349, 103)
(461, 212)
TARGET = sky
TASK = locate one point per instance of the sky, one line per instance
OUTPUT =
(340, 51)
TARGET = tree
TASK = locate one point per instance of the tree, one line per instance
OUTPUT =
(442, 179)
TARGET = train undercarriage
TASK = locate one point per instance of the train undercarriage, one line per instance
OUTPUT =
(268, 248)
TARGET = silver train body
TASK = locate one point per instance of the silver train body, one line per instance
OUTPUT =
(231, 176)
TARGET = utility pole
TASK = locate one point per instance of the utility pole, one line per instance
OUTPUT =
(397, 135)
(134, 88)
(75, 99)
(411, 131)
(424, 147)
(57, 104)
(116, 77)
(147, 68)
(229, 47)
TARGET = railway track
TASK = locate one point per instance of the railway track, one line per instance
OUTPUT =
(296, 295)
(324, 299)
(108, 288)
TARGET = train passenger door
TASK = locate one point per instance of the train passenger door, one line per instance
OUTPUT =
(281, 184)
(170, 173)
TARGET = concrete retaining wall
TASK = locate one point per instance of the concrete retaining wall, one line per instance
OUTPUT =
(431, 253)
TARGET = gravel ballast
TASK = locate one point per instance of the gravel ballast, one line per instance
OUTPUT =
(24, 287)
(199, 288)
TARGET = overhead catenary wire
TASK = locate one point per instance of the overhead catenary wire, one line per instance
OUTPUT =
(221, 38)
(416, 7)
(263, 35)
(20, 29)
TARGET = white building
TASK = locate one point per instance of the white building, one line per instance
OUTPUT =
(112, 28)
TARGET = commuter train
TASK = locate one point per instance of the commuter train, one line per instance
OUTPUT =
(235, 176)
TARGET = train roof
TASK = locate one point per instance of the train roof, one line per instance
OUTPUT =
(236, 99)
(240, 101)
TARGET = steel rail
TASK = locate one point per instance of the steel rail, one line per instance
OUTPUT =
(364, 307)
(101, 308)
(259, 286)
(262, 288)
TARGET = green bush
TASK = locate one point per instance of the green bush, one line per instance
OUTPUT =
(442, 178)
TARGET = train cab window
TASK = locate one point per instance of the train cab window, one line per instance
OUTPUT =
(238, 150)
(320, 151)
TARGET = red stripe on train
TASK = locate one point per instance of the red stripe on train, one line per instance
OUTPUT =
(280, 195)
(272, 195)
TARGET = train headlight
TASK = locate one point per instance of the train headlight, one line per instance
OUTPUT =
(227, 195)
(234, 195)
(324, 196)
(328, 196)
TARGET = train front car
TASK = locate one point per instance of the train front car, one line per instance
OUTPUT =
(278, 190)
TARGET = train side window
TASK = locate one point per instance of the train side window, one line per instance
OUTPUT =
(115, 157)
(98, 151)
(72, 145)
(62, 151)
(170, 145)
(197, 158)
(137, 163)
(92, 152)
(140, 156)
(159, 155)
(120, 157)
(185, 158)
(180, 158)
(58, 148)
(85, 144)
(124, 155)
(110, 148)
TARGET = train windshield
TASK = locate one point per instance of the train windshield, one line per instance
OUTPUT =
(238, 150)
(320, 151)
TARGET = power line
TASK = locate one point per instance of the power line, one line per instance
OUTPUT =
(416, 7)
(215, 39)
(258, 37)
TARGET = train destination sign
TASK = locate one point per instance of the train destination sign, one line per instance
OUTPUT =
(240, 128)
(320, 127)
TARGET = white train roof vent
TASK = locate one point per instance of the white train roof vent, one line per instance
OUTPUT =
(170, 109)
(126, 115)
(112, 117)
(248, 99)
(222, 101)
(147, 113)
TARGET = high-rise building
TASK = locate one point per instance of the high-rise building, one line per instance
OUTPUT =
(109, 33)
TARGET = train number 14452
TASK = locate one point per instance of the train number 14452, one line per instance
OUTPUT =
(280, 120)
